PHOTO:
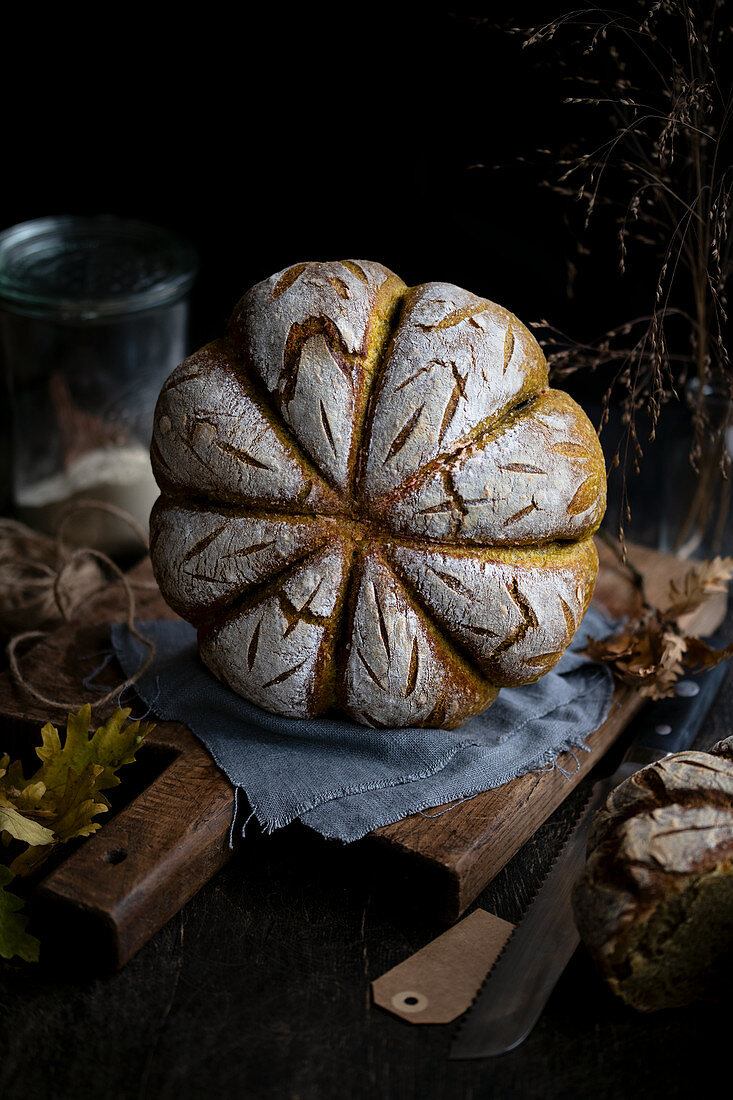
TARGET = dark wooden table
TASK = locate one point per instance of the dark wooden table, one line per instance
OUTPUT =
(260, 988)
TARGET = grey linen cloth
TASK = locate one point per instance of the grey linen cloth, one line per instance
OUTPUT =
(344, 780)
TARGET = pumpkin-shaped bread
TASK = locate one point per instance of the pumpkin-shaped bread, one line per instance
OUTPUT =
(372, 503)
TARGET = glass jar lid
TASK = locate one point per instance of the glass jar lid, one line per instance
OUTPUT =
(82, 268)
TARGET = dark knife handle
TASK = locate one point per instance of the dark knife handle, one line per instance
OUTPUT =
(670, 725)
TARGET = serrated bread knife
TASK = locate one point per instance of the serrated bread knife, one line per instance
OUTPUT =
(518, 987)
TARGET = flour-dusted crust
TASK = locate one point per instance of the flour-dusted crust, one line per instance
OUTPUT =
(207, 558)
(455, 364)
(273, 647)
(372, 502)
(399, 672)
(655, 901)
(214, 437)
(514, 613)
(536, 477)
(314, 333)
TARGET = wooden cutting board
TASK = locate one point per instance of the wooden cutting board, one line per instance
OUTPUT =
(119, 886)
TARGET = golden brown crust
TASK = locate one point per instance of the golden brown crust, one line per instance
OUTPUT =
(399, 452)
(654, 904)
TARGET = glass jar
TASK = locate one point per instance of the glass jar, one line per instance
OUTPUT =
(696, 520)
(93, 317)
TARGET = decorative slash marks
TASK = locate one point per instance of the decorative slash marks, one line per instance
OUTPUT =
(522, 629)
(203, 431)
(403, 435)
(453, 503)
(522, 468)
(278, 633)
(244, 552)
(297, 337)
(285, 675)
(240, 455)
(569, 617)
(370, 671)
(290, 276)
(252, 648)
(585, 497)
(508, 348)
(466, 313)
(318, 393)
(407, 652)
(414, 666)
(531, 507)
(394, 663)
(457, 394)
(452, 582)
(340, 286)
(327, 429)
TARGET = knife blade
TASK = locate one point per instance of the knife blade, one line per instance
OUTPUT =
(519, 985)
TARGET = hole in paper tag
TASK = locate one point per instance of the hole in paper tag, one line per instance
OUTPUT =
(409, 1002)
(438, 983)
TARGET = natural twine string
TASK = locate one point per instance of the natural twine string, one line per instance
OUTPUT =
(45, 581)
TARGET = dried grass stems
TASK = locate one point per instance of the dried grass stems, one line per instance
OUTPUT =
(663, 80)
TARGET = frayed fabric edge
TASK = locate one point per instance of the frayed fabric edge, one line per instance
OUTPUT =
(546, 760)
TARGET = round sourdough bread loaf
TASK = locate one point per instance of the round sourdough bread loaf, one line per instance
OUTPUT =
(654, 904)
(372, 503)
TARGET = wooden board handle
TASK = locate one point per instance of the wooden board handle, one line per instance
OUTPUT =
(127, 880)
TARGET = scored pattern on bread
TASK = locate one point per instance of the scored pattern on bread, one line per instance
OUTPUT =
(314, 334)
(455, 364)
(399, 671)
(538, 476)
(404, 442)
(271, 649)
(214, 438)
(655, 902)
(218, 555)
(515, 614)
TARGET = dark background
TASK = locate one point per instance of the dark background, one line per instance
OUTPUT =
(267, 138)
(400, 134)
(287, 137)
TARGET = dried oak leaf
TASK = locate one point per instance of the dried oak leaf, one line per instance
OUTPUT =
(701, 656)
(697, 585)
(66, 793)
(650, 653)
(645, 654)
(14, 940)
(20, 827)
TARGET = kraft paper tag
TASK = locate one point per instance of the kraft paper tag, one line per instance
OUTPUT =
(438, 983)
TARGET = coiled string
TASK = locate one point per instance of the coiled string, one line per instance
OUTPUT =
(44, 579)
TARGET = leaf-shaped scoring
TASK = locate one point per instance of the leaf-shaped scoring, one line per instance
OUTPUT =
(456, 363)
(203, 558)
(213, 436)
(270, 648)
(315, 333)
(436, 427)
(538, 476)
(399, 672)
(513, 611)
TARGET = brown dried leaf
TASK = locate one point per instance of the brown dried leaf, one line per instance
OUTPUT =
(701, 656)
(650, 652)
(697, 585)
(647, 654)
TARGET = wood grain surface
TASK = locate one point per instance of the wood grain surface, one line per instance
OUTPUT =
(126, 881)
(260, 988)
(467, 845)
